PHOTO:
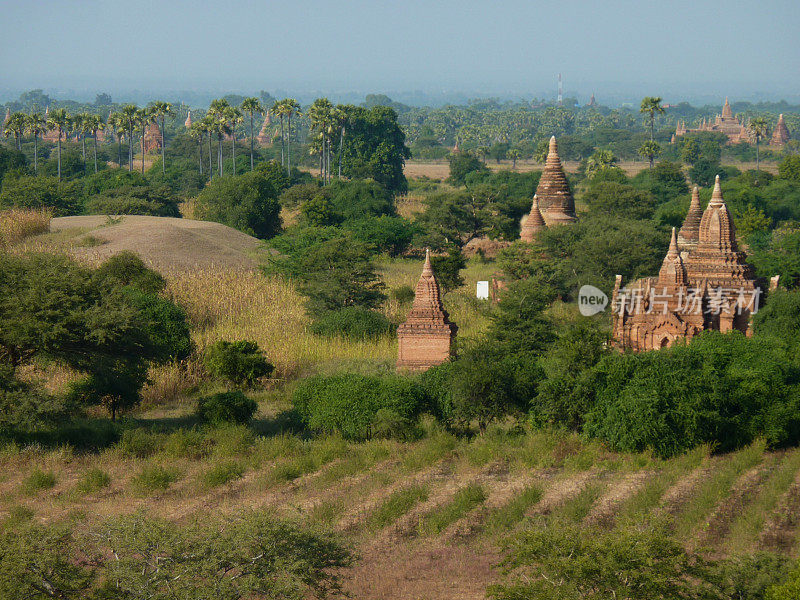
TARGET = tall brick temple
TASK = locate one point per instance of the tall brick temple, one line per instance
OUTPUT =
(702, 285)
(425, 339)
(780, 135)
(555, 198)
(725, 122)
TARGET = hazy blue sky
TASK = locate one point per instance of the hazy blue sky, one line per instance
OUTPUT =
(669, 47)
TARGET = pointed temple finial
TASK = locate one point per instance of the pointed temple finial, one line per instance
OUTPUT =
(716, 195)
(673, 245)
(425, 338)
(690, 230)
(555, 198)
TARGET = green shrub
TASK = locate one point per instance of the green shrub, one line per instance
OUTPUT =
(188, 443)
(138, 200)
(226, 408)
(350, 403)
(221, 474)
(38, 480)
(403, 294)
(138, 443)
(353, 323)
(241, 363)
(94, 480)
(153, 478)
(722, 389)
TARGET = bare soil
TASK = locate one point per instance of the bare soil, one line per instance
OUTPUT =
(163, 243)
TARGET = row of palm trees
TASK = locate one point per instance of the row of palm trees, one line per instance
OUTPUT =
(124, 123)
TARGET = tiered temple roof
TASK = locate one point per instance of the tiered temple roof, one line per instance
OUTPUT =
(425, 339)
(781, 133)
(555, 197)
(713, 287)
(690, 231)
(723, 123)
(533, 223)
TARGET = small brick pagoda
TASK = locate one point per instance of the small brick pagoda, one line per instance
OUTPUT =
(426, 338)
(723, 123)
(152, 138)
(263, 138)
(710, 287)
(555, 198)
(780, 134)
(188, 122)
(533, 224)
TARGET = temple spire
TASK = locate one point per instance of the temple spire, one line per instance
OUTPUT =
(690, 230)
(716, 196)
(555, 197)
(188, 122)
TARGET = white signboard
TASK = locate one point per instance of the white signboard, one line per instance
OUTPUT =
(483, 290)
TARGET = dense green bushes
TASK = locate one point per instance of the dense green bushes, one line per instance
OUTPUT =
(246, 202)
(134, 200)
(241, 363)
(226, 408)
(724, 390)
(359, 406)
(352, 322)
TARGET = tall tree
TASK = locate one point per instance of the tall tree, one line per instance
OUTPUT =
(143, 120)
(207, 123)
(650, 150)
(59, 119)
(292, 109)
(278, 110)
(116, 122)
(36, 125)
(95, 123)
(130, 116)
(81, 124)
(16, 126)
(218, 112)
(197, 131)
(252, 106)
(159, 110)
(233, 116)
(320, 114)
(651, 106)
(514, 155)
(758, 131)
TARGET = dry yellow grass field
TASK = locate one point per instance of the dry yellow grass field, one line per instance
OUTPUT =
(19, 224)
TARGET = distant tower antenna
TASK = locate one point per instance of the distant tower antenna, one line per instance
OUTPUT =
(560, 91)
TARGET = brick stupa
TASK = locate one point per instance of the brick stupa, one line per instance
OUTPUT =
(263, 136)
(781, 133)
(188, 122)
(555, 197)
(426, 338)
(713, 287)
(690, 231)
(152, 138)
(533, 223)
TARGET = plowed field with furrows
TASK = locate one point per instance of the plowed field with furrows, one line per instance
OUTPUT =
(425, 517)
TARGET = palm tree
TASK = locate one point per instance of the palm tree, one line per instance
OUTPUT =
(116, 121)
(599, 160)
(650, 150)
(159, 110)
(94, 123)
(37, 125)
(514, 154)
(59, 119)
(252, 106)
(233, 116)
(143, 119)
(218, 112)
(278, 109)
(16, 125)
(758, 131)
(651, 106)
(207, 125)
(341, 120)
(81, 123)
(197, 130)
(130, 115)
(289, 108)
(320, 113)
